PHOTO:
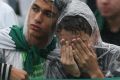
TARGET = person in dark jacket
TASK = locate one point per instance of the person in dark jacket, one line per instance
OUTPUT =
(108, 19)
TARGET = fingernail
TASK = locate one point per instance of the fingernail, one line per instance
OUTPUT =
(78, 38)
(62, 40)
(66, 42)
(73, 40)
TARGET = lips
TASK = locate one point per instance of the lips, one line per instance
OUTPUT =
(105, 9)
(36, 28)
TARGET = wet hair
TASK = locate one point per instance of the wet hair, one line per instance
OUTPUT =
(75, 24)
(60, 4)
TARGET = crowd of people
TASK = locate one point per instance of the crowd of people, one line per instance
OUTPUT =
(61, 39)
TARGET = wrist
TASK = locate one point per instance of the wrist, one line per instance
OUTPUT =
(96, 74)
(73, 73)
(76, 74)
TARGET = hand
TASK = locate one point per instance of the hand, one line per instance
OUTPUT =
(86, 58)
(17, 74)
(67, 59)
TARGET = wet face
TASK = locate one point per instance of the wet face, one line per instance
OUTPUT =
(109, 8)
(41, 20)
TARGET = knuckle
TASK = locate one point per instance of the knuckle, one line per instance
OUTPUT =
(83, 62)
(63, 62)
(86, 58)
(25, 73)
(68, 63)
(90, 55)
(22, 76)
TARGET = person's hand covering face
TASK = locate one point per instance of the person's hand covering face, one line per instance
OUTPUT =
(78, 56)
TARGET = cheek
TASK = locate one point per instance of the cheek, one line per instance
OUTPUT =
(31, 16)
(30, 19)
(116, 8)
(98, 3)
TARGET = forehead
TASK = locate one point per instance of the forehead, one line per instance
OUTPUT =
(46, 5)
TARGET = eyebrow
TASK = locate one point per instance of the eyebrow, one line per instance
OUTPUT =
(35, 5)
(45, 9)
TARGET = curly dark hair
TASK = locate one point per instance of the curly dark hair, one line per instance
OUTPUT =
(75, 24)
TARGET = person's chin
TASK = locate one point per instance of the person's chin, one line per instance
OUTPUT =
(107, 15)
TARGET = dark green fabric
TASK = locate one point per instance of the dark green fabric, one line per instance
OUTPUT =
(100, 20)
(34, 56)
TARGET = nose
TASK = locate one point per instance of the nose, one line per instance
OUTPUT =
(39, 17)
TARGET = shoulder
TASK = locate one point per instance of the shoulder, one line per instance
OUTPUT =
(115, 61)
(114, 49)
(4, 5)
(54, 55)
(5, 8)
(6, 41)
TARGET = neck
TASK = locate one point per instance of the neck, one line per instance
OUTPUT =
(40, 43)
(113, 23)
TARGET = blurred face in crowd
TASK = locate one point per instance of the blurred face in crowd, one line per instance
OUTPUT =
(41, 22)
(109, 8)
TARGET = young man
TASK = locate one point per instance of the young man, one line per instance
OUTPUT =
(28, 48)
(83, 53)
(109, 20)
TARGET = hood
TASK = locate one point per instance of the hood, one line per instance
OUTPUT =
(59, 4)
(77, 7)
(106, 52)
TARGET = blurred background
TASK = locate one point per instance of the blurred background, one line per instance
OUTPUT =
(20, 7)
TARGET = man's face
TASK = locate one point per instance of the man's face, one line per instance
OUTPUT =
(41, 20)
(109, 8)
(69, 36)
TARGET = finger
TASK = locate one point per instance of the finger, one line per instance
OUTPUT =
(62, 53)
(76, 52)
(84, 37)
(77, 59)
(62, 42)
(84, 40)
(71, 54)
(67, 52)
(84, 48)
(78, 56)
(23, 72)
(78, 46)
(93, 52)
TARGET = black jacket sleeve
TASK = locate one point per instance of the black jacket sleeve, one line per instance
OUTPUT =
(5, 70)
